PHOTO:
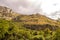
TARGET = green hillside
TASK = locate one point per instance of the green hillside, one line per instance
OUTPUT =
(14, 26)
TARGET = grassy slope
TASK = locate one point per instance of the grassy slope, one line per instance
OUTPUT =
(34, 19)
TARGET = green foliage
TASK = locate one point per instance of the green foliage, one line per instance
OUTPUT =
(57, 35)
(10, 30)
(3, 27)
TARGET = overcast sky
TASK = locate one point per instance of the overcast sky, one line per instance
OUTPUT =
(50, 8)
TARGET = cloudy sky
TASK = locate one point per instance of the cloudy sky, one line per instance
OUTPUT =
(50, 8)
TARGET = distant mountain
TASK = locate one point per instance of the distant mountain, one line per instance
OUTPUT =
(34, 21)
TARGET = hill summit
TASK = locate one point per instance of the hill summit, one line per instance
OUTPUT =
(34, 21)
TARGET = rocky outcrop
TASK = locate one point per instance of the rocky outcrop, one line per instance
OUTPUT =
(41, 27)
(7, 13)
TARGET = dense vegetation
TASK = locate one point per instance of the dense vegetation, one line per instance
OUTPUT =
(14, 26)
(10, 30)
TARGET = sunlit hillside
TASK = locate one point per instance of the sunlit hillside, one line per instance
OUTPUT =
(14, 26)
(29, 20)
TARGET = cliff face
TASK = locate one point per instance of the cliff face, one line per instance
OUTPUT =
(7, 13)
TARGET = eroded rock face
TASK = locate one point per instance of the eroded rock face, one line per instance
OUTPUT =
(7, 13)
(40, 27)
(4, 9)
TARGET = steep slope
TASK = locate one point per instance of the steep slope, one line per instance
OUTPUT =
(7, 13)
(37, 22)
(34, 21)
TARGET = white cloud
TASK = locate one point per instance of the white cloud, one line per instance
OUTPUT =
(48, 5)
(23, 10)
(33, 6)
(12, 0)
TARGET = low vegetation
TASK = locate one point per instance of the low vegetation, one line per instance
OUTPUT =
(10, 30)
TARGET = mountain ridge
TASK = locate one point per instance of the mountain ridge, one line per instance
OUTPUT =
(34, 21)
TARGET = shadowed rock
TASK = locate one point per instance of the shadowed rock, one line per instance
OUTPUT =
(40, 27)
